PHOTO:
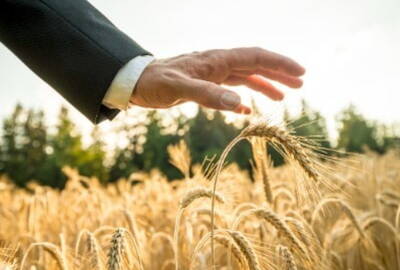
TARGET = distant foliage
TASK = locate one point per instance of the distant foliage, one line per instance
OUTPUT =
(32, 150)
(29, 152)
(356, 133)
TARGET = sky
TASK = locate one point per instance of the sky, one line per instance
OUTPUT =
(350, 48)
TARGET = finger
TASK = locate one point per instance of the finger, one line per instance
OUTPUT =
(242, 109)
(291, 81)
(259, 58)
(258, 84)
(211, 95)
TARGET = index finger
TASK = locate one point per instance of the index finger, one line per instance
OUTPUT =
(250, 58)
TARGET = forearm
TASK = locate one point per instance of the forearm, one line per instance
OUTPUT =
(70, 45)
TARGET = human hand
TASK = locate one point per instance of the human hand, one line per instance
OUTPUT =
(198, 77)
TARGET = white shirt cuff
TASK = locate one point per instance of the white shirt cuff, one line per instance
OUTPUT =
(121, 88)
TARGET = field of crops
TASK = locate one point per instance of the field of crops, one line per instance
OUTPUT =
(337, 214)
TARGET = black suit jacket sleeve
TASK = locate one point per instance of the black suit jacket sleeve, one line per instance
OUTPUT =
(71, 46)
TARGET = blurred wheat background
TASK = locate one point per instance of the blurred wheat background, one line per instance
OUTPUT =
(348, 217)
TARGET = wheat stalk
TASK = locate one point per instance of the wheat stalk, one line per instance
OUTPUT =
(52, 249)
(197, 193)
(81, 234)
(397, 218)
(187, 199)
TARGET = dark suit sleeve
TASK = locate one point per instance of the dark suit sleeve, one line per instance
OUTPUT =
(71, 46)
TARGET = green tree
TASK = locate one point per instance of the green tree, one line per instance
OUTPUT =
(66, 149)
(356, 132)
(154, 154)
(209, 134)
(94, 163)
(147, 140)
(23, 145)
(131, 129)
(11, 157)
(390, 137)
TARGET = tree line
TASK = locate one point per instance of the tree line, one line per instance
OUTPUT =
(32, 150)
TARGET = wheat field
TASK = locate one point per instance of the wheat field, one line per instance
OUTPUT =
(309, 214)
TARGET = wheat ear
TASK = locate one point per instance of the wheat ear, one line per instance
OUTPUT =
(179, 155)
(229, 244)
(116, 250)
(246, 248)
(94, 250)
(275, 221)
(299, 229)
(283, 138)
(197, 193)
(260, 155)
(287, 258)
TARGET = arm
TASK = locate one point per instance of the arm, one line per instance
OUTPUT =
(88, 60)
(71, 46)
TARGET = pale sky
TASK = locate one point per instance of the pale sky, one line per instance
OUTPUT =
(350, 48)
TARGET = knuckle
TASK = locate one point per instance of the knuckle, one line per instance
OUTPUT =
(206, 69)
(190, 66)
(213, 63)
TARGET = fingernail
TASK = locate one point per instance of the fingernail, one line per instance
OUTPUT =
(230, 100)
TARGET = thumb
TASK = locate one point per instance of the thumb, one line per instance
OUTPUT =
(213, 96)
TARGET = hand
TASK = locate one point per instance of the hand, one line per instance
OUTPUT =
(198, 77)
